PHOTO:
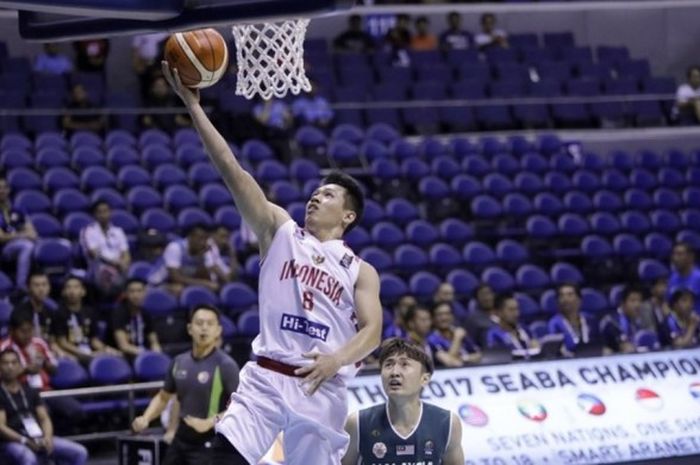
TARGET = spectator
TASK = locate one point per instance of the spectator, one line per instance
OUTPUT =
(655, 310)
(688, 98)
(455, 38)
(451, 344)
(490, 36)
(683, 322)
(107, 250)
(26, 430)
(80, 100)
(146, 52)
(91, 55)
(131, 328)
(227, 252)
(354, 39)
(423, 40)
(398, 327)
(312, 108)
(419, 325)
(38, 305)
(193, 261)
(76, 327)
(275, 121)
(202, 379)
(570, 322)
(684, 273)
(151, 244)
(51, 61)
(509, 333)
(398, 40)
(619, 330)
(160, 97)
(445, 293)
(17, 235)
(483, 316)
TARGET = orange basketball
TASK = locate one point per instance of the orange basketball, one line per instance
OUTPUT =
(200, 56)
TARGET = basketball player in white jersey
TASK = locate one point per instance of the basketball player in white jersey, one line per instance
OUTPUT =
(320, 315)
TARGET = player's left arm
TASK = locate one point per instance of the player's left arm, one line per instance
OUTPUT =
(369, 321)
(454, 455)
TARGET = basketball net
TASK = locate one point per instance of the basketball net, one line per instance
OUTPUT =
(270, 58)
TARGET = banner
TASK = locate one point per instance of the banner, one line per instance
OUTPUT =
(580, 411)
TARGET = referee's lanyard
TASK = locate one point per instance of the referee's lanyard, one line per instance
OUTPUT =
(137, 325)
(31, 427)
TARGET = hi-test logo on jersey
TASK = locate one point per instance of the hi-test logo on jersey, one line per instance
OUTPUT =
(533, 411)
(301, 325)
(590, 404)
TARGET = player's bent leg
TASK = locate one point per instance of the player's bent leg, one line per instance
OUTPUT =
(224, 453)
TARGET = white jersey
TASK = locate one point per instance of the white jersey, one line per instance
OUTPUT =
(307, 302)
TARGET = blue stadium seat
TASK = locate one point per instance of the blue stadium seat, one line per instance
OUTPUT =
(119, 137)
(156, 155)
(141, 198)
(565, 273)
(499, 279)
(383, 133)
(548, 301)
(690, 219)
(46, 225)
(53, 255)
(531, 277)
(401, 211)
(596, 247)
(158, 219)
(538, 329)
(74, 222)
(140, 270)
(96, 177)
(410, 258)
(639, 199)
(495, 117)
(593, 301)
(68, 200)
(423, 284)
(572, 225)
(692, 175)
(357, 238)
(214, 196)
(154, 137)
(478, 254)
(593, 162)
(151, 366)
(20, 179)
(386, 170)
(577, 202)
(310, 139)
(563, 163)
(476, 165)
(198, 175)
(120, 156)
(191, 216)
(665, 221)
(627, 245)
(528, 183)
(237, 297)
(444, 256)
(192, 296)
(84, 157)
(585, 181)
(604, 223)
(421, 233)
(540, 227)
(349, 133)
(60, 178)
(463, 281)
(189, 153)
(635, 222)
(455, 231)
(387, 235)
(85, 139)
(179, 197)
(691, 237)
(650, 160)
(391, 288)
(126, 221)
(510, 252)
(547, 204)
(168, 175)
(642, 179)
(69, 374)
(458, 118)
(248, 323)
(614, 180)
(571, 115)
(159, 303)
(50, 157)
(667, 199)
(671, 177)
(272, 170)
(497, 185)
(557, 182)
(677, 159)
(658, 245)
(607, 201)
(646, 340)
(505, 164)
(534, 163)
(516, 205)
(549, 144)
(373, 214)
(485, 207)
(108, 370)
(445, 167)
(433, 188)
(106, 194)
(378, 258)
(12, 158)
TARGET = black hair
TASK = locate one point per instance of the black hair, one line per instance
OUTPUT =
(690, 70)
(206, 227)
(678, 295)
(629, 290)
(480, 287)
(133, 280)
(687, 246)
(501, 299)
(577, 289)
(208, 307)
(354, 198)
(97, 204)
(34, 274)
(20, 317)
(72, 277)
(486, 15)
(411, 313)
(434, 308)
(397, 346)
(9, 351)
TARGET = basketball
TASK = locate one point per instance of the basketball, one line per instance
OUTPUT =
(200, 57)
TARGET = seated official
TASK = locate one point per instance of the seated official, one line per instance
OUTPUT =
(451, 344)
(619, 330)
(509, 334)
(683, 323)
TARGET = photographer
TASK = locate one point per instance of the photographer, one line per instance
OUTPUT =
(26, 431)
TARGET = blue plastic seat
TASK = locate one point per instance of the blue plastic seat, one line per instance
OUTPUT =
(516, 205)
(96, 177)
(178, 197)
(50, 157)
(69, 374)
(159, 303)
(191, 216)
(556, 182)
(596, 247)
(60, 178)
(46, 225)
(478, 254)
(627, 245)
(572, 225)
(585, 181)
(604, 223)
(378, 258)
(444, 256)
(433, 188)
(498, 279)
(577, 202)
(463, 281)
(409, 258)
(528, 183)
(607, 201)
(497, 184)
(671, 178)
(20, 179)
(665, 221)
(373, 214)
(159, 219)
(53, 255)
(248, 323)
(140, 270)
(690, 219)
(151, 366)
(74, 222)
(635, 222)
(658, 245)
(540, 227)
(357, 238)
(486, 207)
(141, 198)
(593, 301)
(388, 235)
(237, 297)
(639, 199)
(565, 273)
(108, 370)
(642, 179)
(547, 204)
(69, 200)
(534, 163)
(691, 196)
(455, 231)
(14, 158)
(401, 211)
(531, 277)
(156, 155)
(126, 221)
(614, 180)
(423, 284)
(188, 153)
(391, 287)
(510, 252)
(667, 199)
(475, 165)
(192, 296)
(106, 194)
(445, 167)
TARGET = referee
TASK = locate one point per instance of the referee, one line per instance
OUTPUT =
(203, 381)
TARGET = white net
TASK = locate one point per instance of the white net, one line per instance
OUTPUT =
(270, 58)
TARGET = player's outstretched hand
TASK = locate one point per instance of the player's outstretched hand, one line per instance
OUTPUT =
(139, 424)
(188, 96)
(325, 366)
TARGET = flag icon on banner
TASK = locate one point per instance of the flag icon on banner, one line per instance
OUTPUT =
(591, 404)
(649, 399)
(695, 390)
(473, 415)
(532, 410)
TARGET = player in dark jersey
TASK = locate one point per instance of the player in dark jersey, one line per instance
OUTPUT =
(404, 430)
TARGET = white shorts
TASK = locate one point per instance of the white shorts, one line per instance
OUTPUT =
(267, 402)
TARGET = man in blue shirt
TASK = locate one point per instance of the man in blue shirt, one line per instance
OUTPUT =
(570, 322)
(684, 274)
(509, 333)
(52, 62)
(619, 329)
(455, 38)
(312, 108)
(17, 235)
(682, 322)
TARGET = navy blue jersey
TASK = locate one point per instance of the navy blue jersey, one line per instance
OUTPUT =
(380, 444)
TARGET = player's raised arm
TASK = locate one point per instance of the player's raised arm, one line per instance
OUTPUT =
(262, 216)
(454, 455)
(352, 454)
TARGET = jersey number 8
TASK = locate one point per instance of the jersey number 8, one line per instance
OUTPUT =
(307, 302)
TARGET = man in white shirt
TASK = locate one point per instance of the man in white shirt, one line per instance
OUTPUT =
(107, 250)
(490, 36)
(193, 261)
(688, 97)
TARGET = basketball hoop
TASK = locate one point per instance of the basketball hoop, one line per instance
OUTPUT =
(270, 58)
